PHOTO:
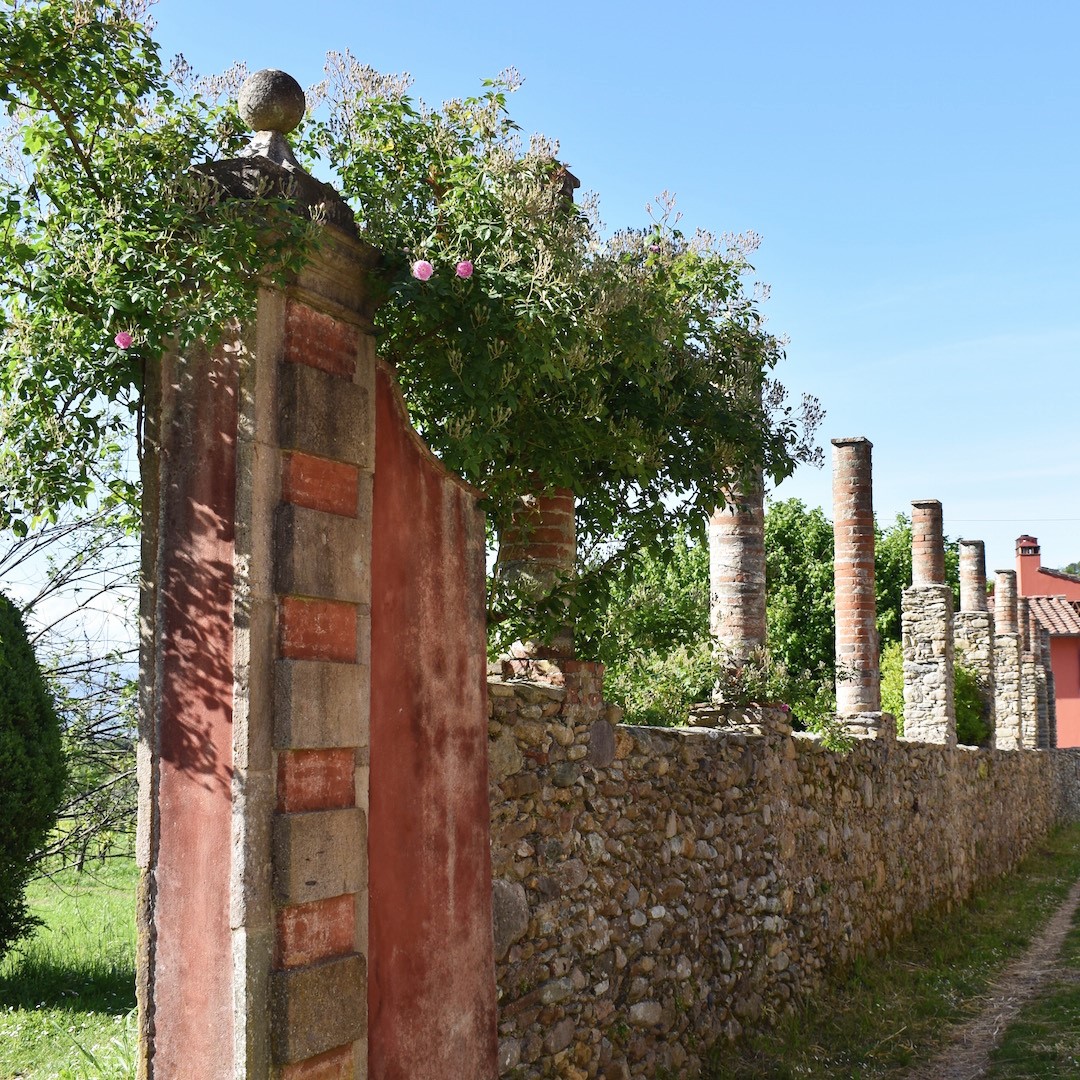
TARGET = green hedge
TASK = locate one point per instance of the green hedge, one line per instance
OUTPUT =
(32, 772)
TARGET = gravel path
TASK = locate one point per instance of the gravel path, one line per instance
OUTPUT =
(966, 1057)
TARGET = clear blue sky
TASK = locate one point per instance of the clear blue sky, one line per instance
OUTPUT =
(913, 169)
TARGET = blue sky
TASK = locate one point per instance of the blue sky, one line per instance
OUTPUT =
(912, 168)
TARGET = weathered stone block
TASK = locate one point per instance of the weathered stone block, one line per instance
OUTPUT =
(322, 555)
(324, 415)
(315, 1009)
(318, 855)
(320, 704)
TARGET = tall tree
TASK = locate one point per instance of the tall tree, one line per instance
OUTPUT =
(535, 352)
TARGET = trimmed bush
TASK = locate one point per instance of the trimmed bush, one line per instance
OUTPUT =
(32, 770)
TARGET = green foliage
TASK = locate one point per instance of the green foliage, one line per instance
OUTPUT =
(972, 706)
(971, 703)
(104, 228)
(892, 682)
(1071, 568)
(653, 632)
(799, 576)
(632, 370)
(31, 770)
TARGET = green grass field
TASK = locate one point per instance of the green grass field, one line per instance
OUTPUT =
(67, 994)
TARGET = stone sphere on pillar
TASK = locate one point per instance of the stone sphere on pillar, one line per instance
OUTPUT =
(271, 100)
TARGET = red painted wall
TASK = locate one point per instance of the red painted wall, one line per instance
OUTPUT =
(1065, 660)
(192, 965)
(431, 968)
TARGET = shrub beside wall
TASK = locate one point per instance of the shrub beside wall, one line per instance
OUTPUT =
(31, 770)
(659, 888)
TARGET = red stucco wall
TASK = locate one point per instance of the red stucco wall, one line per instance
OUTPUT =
(192, 980)
(431, 973)
(1065, 660)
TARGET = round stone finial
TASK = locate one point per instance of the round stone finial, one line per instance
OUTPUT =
(271, 100)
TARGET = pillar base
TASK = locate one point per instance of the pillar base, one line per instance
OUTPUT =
(869, 725)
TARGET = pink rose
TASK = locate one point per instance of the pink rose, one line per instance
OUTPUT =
(124, 340)
(464, 268)
(422, 270)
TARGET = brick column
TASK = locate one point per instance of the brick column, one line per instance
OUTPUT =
(929, 708)
(737, 572)
(536, 552)
(858, 674)
(973, 631)
(1006, 662)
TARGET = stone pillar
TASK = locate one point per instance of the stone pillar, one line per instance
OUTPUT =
(1029, 678)
(858, 674)
(537, 551)
(1006, 663)
(973, 631)
(263, 671)
(1040, 647)
(929, 709)
(737, 572)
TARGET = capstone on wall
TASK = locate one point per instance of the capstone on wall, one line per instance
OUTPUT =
(656, 889)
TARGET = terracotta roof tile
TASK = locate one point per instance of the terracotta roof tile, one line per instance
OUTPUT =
(1056, 614)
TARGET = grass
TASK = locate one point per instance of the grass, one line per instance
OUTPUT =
(1044, 1040)
(67, 994)
(885, 1015)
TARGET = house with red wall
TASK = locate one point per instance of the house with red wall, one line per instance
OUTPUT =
(1055, 602)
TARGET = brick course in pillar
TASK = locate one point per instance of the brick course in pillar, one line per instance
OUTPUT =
(927, 543)
(737, 572)
(322, 530)
(973, 575)
(858, 686)
(1005, 598)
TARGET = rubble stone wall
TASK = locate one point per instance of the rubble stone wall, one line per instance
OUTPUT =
(656, 889)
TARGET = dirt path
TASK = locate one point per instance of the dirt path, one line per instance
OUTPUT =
(966, 1057)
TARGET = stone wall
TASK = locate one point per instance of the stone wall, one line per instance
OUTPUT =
(658, 888)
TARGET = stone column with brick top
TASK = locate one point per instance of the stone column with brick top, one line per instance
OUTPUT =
(973, 627)
(929, 709)
(858, 678)
(267, 727)
(538, 551)
(1006, 662)
(737, 571)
